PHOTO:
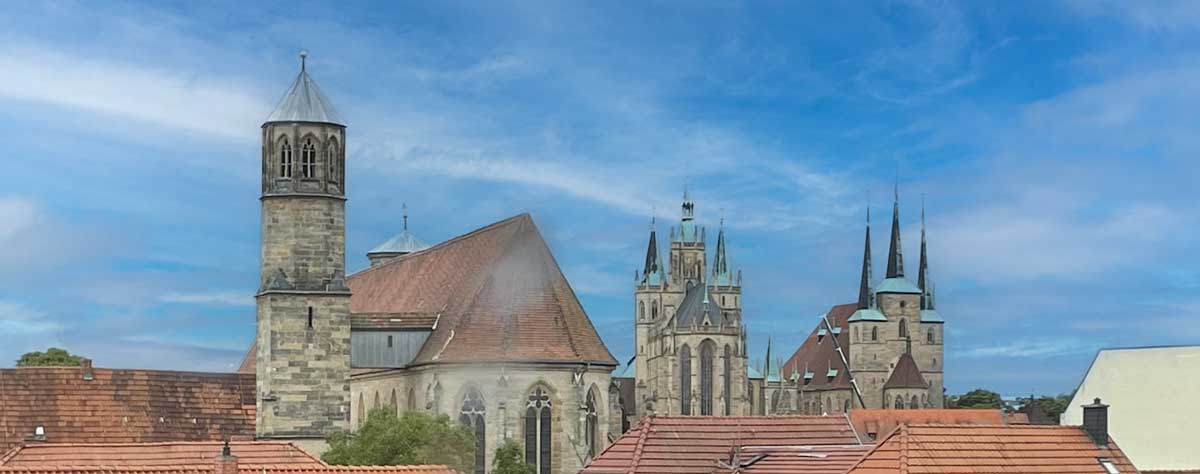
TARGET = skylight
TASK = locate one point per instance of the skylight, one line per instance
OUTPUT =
(1109, 466)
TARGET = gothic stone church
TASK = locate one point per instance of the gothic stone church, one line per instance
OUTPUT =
(483, 327)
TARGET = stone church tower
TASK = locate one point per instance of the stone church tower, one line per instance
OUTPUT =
(303, 336)
(690, 339)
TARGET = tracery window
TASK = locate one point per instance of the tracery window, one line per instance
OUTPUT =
(728, 380)
(914, 403)
(537, 430)
(706, 378)
(471, 413)
(285, 160)
(685, 380)
(641, 310)
(591, 435)
(308, 159)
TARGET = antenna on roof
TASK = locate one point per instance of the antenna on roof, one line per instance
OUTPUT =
(303, 55)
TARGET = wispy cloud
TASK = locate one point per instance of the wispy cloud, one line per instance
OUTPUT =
(224, 298)
(18, 319)
(1041, 348)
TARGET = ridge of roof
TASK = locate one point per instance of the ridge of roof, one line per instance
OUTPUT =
(445, 243)
(42, 453)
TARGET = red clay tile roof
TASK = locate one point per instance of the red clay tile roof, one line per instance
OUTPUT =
(796, 459)
(1018, 418)
(120, 406)
(966, 449)
(275, 469)
(868, 421)
(500, 295)
(695, 444)
(906, 374)
(171, 454)
(818, 354)
(393, 321)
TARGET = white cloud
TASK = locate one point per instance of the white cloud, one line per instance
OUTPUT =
(188, 101)
(224, 298)
(1032, 349)
(20, 320)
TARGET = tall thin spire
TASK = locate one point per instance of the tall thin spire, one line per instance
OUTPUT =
(651, 253)
(404, 209)
(864, 286)
(923, 270)
(721, 275)
(767, 362)
(895, 266)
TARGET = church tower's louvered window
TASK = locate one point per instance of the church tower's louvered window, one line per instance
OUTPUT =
(685, 380)
(591, 435)
(537, 431)
(308, 159)
(728, 395)
(706, 378)
(285, 160)
(331, 157)
(874, 334)
(472, 414)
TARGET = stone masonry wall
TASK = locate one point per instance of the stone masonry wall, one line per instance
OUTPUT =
(305, 236)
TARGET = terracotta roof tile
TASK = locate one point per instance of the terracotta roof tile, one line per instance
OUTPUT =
(879, 422)
(170, 454)
(695, 444)
(124, 406)
(966, 449)
(262, 469)
(499, 293)
(796, 459)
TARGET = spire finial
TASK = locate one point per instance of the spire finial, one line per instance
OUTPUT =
(404, 209)
(303, 57)
(653, 216)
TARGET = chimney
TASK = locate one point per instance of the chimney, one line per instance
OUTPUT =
(1095, 422)
(86, 365)
(226, 462)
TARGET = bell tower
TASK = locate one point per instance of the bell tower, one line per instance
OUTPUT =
(303, 304)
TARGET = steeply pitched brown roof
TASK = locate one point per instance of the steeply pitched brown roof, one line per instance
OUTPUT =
(818, 354)
(966, 449)
(873, 423)
(119, 406)
(499, 293)
(171, 454)
(695, 444)
(794, 459)
(906, 374)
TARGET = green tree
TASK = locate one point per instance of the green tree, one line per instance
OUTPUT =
(53, 357)
(979, 398)
(1054, 406)
(413, 437)
(508, 460)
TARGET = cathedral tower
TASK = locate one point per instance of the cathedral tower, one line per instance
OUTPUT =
(688, 260)
(303, 358)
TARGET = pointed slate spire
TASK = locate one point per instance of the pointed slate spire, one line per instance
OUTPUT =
(304, 102)
(688, 206)
(864, 286)
(767, 362)
(895, 266)
(923, 270)
(721, 274)
(651, 252)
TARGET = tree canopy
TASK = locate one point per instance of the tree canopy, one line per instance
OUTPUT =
(979, 398)
(1054, 406)
(509, 460)
(53, 357)
(414, 437)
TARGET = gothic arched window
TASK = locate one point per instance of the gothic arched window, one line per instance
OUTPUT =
(411, 403)
(641, 311)
(685, 380)
(362, 410)
(308, 159)
(471, 414)
(285, 160)
(874, 334)
(929, 336)
(653, 311)
(728, 395)
(856, 334)
(590, 425)
(899, 403)
(331, 157)
(913, 404)
(706, 378)
(774, 402)
(537, 430)
(395, 405)
(903, 328)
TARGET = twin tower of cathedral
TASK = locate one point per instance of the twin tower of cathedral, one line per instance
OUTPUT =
(882, 351)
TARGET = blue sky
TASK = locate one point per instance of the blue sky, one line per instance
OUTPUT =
(1054, 142)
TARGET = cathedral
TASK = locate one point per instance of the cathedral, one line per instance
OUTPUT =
(483, 327)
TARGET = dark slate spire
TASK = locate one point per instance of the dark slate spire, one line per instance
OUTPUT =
(895, 266)
(721, 274)
(923, 271)
(651, 253)
(864, 286)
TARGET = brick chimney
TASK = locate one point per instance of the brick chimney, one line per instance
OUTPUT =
(1095, 422)
(86, 365)
(226, 462)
